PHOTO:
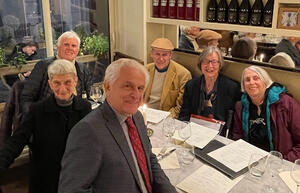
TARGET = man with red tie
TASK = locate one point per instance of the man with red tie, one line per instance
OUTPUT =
(109, 151)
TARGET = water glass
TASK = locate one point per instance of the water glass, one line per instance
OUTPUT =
(257, 165)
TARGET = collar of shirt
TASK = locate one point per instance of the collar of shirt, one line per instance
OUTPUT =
(162, 70)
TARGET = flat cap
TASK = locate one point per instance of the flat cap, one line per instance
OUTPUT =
(209, 35)
(162, 43)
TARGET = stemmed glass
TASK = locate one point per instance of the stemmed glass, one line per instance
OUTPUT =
(169, 128)
(274, 162)
(295, 173)
(95, 93)
(185, 133)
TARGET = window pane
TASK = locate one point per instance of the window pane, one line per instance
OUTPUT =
(86, 18)
(21, 21)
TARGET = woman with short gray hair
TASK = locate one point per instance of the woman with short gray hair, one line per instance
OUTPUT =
(48, 124)
(267, 116)
(211, 95)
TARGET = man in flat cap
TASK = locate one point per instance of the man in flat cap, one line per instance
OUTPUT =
(208, 38)
(167, 79)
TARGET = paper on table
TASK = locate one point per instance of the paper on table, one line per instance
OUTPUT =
(200, 137)
(154, 115)
(168, 162)
(286, 177)
(236, 155)
(207, 180)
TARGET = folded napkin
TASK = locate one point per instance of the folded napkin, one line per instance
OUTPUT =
(168, 162)
(286, 177)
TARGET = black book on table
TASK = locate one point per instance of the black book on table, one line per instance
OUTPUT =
(203, 155)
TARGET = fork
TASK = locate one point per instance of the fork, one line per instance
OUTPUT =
(162, 151)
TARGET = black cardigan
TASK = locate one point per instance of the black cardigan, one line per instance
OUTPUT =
(49, 127)
(228, 93)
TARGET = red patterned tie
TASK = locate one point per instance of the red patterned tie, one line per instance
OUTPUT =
(139, 152)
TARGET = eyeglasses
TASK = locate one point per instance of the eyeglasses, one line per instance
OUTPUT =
(213, 62)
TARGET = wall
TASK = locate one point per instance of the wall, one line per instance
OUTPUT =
(128, 27)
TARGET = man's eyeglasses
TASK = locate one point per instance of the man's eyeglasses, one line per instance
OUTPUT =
(213, 62)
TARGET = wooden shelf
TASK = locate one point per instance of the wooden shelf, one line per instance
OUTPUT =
(161, 27)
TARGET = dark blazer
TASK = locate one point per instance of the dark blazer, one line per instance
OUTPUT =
(37, 88)
(49, 128)
(287, 47)
(228, 93)
(185, 43)
(98, 159)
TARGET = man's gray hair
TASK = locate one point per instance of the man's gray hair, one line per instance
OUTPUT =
(113, 70)
(263, 75)
(68, 34)
(61, 66)
(209, 50)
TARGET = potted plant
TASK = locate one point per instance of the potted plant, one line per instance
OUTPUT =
(95, 44)
(2, 57)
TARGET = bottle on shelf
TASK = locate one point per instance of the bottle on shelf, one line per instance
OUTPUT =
(222, 11)
(181, 9)
(212, 11)
(155, 8)
(164, 8)
(197, 10)
(268, 13)
(190, 10)
(172, 9)
(233, 12)
(244, 12)
(256, 13)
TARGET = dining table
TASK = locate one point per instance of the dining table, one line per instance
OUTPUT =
(247, 184)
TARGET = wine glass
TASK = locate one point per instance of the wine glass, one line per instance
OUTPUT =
(95, 93)
(295, 173)
(274, 163)
(169, 128)
(257, 165)
(185, 133)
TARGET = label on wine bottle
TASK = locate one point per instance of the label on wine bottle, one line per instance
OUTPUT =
(171, 3)
(180, 3)
(255, 18)
(155, 2)
(232, 16)
(163, 3)
(189, 3)
(198, 4)
(222, 15)
(243, 17)
(268, 20)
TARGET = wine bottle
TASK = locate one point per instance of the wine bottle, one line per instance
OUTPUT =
(233, 11)
(268, 13)
(190, 10)
(256, 13)
(164, 8)
(181, 9)
(222, 11)
(155, 9)
(212, 11)
(197, 10)
(172, 9)
(244, 12)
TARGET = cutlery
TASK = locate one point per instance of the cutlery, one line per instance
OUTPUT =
(160, 157)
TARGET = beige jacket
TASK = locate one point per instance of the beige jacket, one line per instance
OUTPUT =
(173, 88)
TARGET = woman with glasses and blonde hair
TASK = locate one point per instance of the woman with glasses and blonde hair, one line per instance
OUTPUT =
(267, 117)
(212, 94)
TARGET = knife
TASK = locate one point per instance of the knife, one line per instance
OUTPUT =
(160, 157)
